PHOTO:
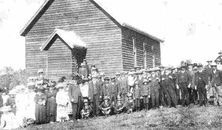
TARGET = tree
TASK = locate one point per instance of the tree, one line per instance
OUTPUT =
(10, 78)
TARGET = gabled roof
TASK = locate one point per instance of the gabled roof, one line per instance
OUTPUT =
(141, 32)
(69, 37)
(47, 3)
(35, 17)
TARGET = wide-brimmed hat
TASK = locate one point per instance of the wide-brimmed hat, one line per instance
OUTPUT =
(82, 64)
(85, 100)
(137, 67)
(131, 73)
(5, 109)
(85, 79)
(102, 74)
(119, 98)
(107, 78)
(148, 70)
(113, 78)
(220, 52)
(183, 67)
(209, 61)
(106, 98)
(117, 74)
(213, 65)
(93, 68)
(129, 94)
(40, 71)
(199, 65)
(145, 81)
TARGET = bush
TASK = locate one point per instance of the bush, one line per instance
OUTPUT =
(10, 78)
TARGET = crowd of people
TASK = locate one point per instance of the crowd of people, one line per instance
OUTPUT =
(90, 93)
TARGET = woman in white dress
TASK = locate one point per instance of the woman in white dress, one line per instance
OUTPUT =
(8, 119)
(21, 103)
(63, 103)
(30, 106)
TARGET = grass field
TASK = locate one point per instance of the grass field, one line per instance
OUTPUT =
(193, 117)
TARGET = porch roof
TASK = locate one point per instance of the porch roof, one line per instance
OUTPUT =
(69, 37)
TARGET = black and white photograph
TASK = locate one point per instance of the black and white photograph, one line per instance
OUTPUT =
(110, 64)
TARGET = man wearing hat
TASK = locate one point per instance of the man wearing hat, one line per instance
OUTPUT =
(145, 93)
(201, 82)
(219, 58)
(183, 83)
(83, 72)
(96, 88)
(122, 85)
(94, 71)
(216, 82)
(169, 88)
(106, 87)
(113, 89)
(208, 69)
(162, 89)
(136, 92)
(86, 111)
(137, 68)
(119, 106)
(106, 106)
(131, 81)
(74, 93)
(130, 105)
(191, 89)
(155, 89)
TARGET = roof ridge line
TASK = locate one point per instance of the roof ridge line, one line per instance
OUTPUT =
(141, 32)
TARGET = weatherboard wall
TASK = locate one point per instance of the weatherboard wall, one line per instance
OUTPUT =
(59, 64)
(102, 36)
(127, 50)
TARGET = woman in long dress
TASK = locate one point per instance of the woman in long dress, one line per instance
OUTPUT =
(62, 100)
(21, 103)
(51, 106)
(30, 108)
(40, 107)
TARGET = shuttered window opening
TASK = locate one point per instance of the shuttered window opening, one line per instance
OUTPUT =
(145, 55)
(154, 61)
(152, 48)
(134, 52)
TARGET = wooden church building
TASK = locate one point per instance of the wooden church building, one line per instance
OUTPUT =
(64, 32)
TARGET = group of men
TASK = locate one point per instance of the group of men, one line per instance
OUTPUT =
(91, 93)
(148, 89)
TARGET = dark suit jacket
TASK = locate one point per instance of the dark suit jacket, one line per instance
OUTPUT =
(216, 78)
(74, 93)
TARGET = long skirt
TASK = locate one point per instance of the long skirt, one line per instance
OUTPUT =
(51, 109)
(40, 114)
(8, 121)
(63, 113)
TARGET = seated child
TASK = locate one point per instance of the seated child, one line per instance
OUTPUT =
(106, 106)
(87, 110)
(130, 105)
(119, 107)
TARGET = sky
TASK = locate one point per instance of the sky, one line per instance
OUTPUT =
(191, 29)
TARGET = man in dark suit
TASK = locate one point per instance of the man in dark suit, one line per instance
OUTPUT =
(96, 86)
(216, 83)
(219, 58)
(183, 83)
(74, 96)
(201, 83)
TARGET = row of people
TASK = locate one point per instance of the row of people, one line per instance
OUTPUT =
(85, 95)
